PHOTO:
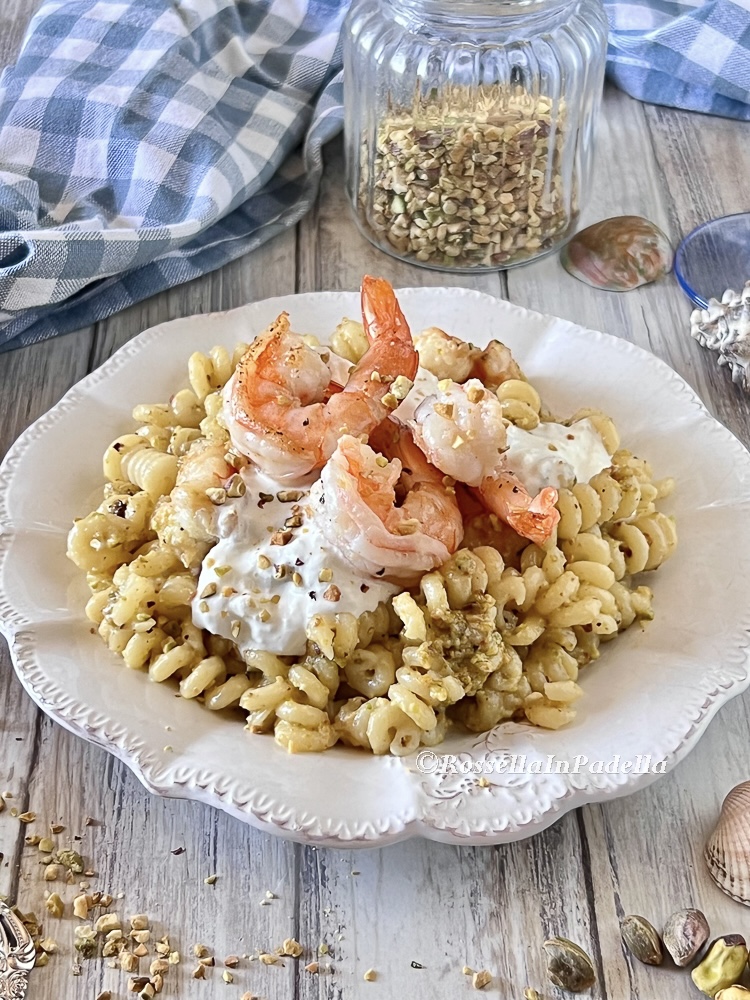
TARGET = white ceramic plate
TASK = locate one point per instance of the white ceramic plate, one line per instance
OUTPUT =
(652, 692)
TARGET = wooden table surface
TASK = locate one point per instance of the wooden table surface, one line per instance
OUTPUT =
(436, 905)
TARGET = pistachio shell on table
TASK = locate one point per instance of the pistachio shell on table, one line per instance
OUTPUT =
(642, 940)
(618, 254)
(727, 851)
(684, 935)
(568, 965)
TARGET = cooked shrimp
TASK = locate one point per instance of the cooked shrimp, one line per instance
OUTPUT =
(280, 406)
(534, 518)
(450, 357)
(358, 513)
(461, 430)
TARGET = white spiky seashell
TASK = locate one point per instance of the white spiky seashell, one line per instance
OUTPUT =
(727, 851)
(725, 327)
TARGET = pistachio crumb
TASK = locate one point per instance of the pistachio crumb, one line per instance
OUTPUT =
(208, 591)
(325, 575)
(139, 922)
(232, 961)
(227, 976)
(281, 537)
(370, 976)
(211, 879)
(467, 970)
(140, 951)
(312, 967)
(199, 972)
(26, 817)
(292, 948)
(268, 959)
(481, 979)
(264, 562)
(46, 845)
(54, 904)
(200, 950)
(128, 961)
(332, 593)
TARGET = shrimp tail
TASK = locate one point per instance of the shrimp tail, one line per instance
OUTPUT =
(383, 319)
(534, 518)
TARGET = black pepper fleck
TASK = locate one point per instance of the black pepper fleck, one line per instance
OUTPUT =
(380, 572)
(312, 595)
(299, 562)
(364, 588)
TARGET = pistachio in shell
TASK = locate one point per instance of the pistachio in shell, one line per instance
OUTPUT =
(618, 254)
(684, 935)
(568, 966)
(642, 940)
(722, 966)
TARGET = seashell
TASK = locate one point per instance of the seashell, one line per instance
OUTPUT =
(618, 254)
(725, 327)
(684, 935)
(727, 851)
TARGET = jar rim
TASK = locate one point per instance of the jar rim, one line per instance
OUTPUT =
(478, 12)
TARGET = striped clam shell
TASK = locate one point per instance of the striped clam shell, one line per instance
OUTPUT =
(727, 851)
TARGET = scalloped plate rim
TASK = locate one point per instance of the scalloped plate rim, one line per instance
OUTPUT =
(133, 751)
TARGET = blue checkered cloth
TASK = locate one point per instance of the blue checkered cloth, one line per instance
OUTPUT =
(147, 142)
(692, 55)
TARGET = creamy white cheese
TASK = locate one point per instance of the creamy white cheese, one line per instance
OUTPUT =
(265, 593)
(555, 454)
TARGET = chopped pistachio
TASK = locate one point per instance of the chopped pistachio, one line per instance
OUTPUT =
(81, 906)
(54, 904)
(232, 961)
(222, 570)
(128, 961)
(46, 845)
(236, 486)
(200, 950)
(291, 947)
(26, 817)
(268, 959)
(208, 591)
(140, 951)
(72, 860)
(217, 495)
(136, 984)
(332, 593)
(264, 562)
(199, 972)
(312, 967)
(323, 949)
(108, 922)
(139, 922)
(41, 960)
(53, 872)
(211, 879)
(481, 979)
(227, 976)
(370, 976)
(158, 965)
(49, 945)
(174, 958)
(56, 828)
(32, 840)
(141, 937)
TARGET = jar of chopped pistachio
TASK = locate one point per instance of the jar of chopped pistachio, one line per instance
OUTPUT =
(469, 125)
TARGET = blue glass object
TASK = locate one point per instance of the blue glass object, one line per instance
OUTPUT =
(714, 257)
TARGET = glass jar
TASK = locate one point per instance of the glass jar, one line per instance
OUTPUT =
(469, 125)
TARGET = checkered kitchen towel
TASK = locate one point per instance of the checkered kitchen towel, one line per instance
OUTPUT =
(692, 54)
(144, 143)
